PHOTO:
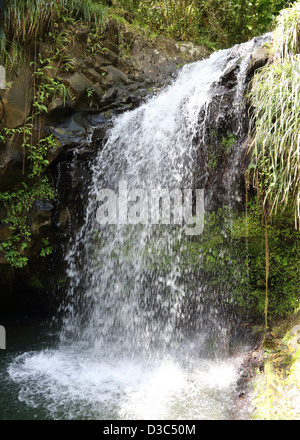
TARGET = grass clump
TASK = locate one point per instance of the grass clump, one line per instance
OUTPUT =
(275, 97)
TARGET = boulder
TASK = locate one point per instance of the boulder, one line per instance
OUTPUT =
(93, 75)
(75, 129)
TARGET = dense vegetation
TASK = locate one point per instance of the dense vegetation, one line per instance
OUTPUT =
(215, 23)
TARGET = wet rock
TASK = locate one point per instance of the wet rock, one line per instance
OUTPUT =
(225, 165)
(126, 65)
(11, 156)
(100, 61)
(42, 208)
(40, 216)
(76, 64)
(92, 75)
(110, 96)
(2, 111)
(192, 51)
(112, 57)
(53, 153)
(4, 231)
(63, 218)
(56, 104)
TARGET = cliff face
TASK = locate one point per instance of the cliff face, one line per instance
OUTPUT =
(89, 78)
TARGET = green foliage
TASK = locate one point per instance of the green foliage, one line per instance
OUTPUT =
(18, 204)
(178, 19)
(284, 261)
(219, 149)
(228, 142)
(233, 21)
(27, 19)
(47, 88)
(47, 249)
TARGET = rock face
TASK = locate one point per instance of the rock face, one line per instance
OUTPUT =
(222, 166)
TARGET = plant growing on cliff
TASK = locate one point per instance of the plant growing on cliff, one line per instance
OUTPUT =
(47, 88)
(19, 202)
(276, 118)
(17, 205)
(284, 259)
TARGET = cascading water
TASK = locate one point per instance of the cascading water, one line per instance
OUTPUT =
(136, 320)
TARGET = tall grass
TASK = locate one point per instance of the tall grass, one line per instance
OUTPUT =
(275, 97)
(27, 19)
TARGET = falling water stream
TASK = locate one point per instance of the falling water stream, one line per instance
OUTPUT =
(140, 339)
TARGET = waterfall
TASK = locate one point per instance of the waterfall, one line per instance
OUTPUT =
(127, 305)
(136, 319)
(117, 300)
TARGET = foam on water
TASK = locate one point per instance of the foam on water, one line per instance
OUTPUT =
(71, 387)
